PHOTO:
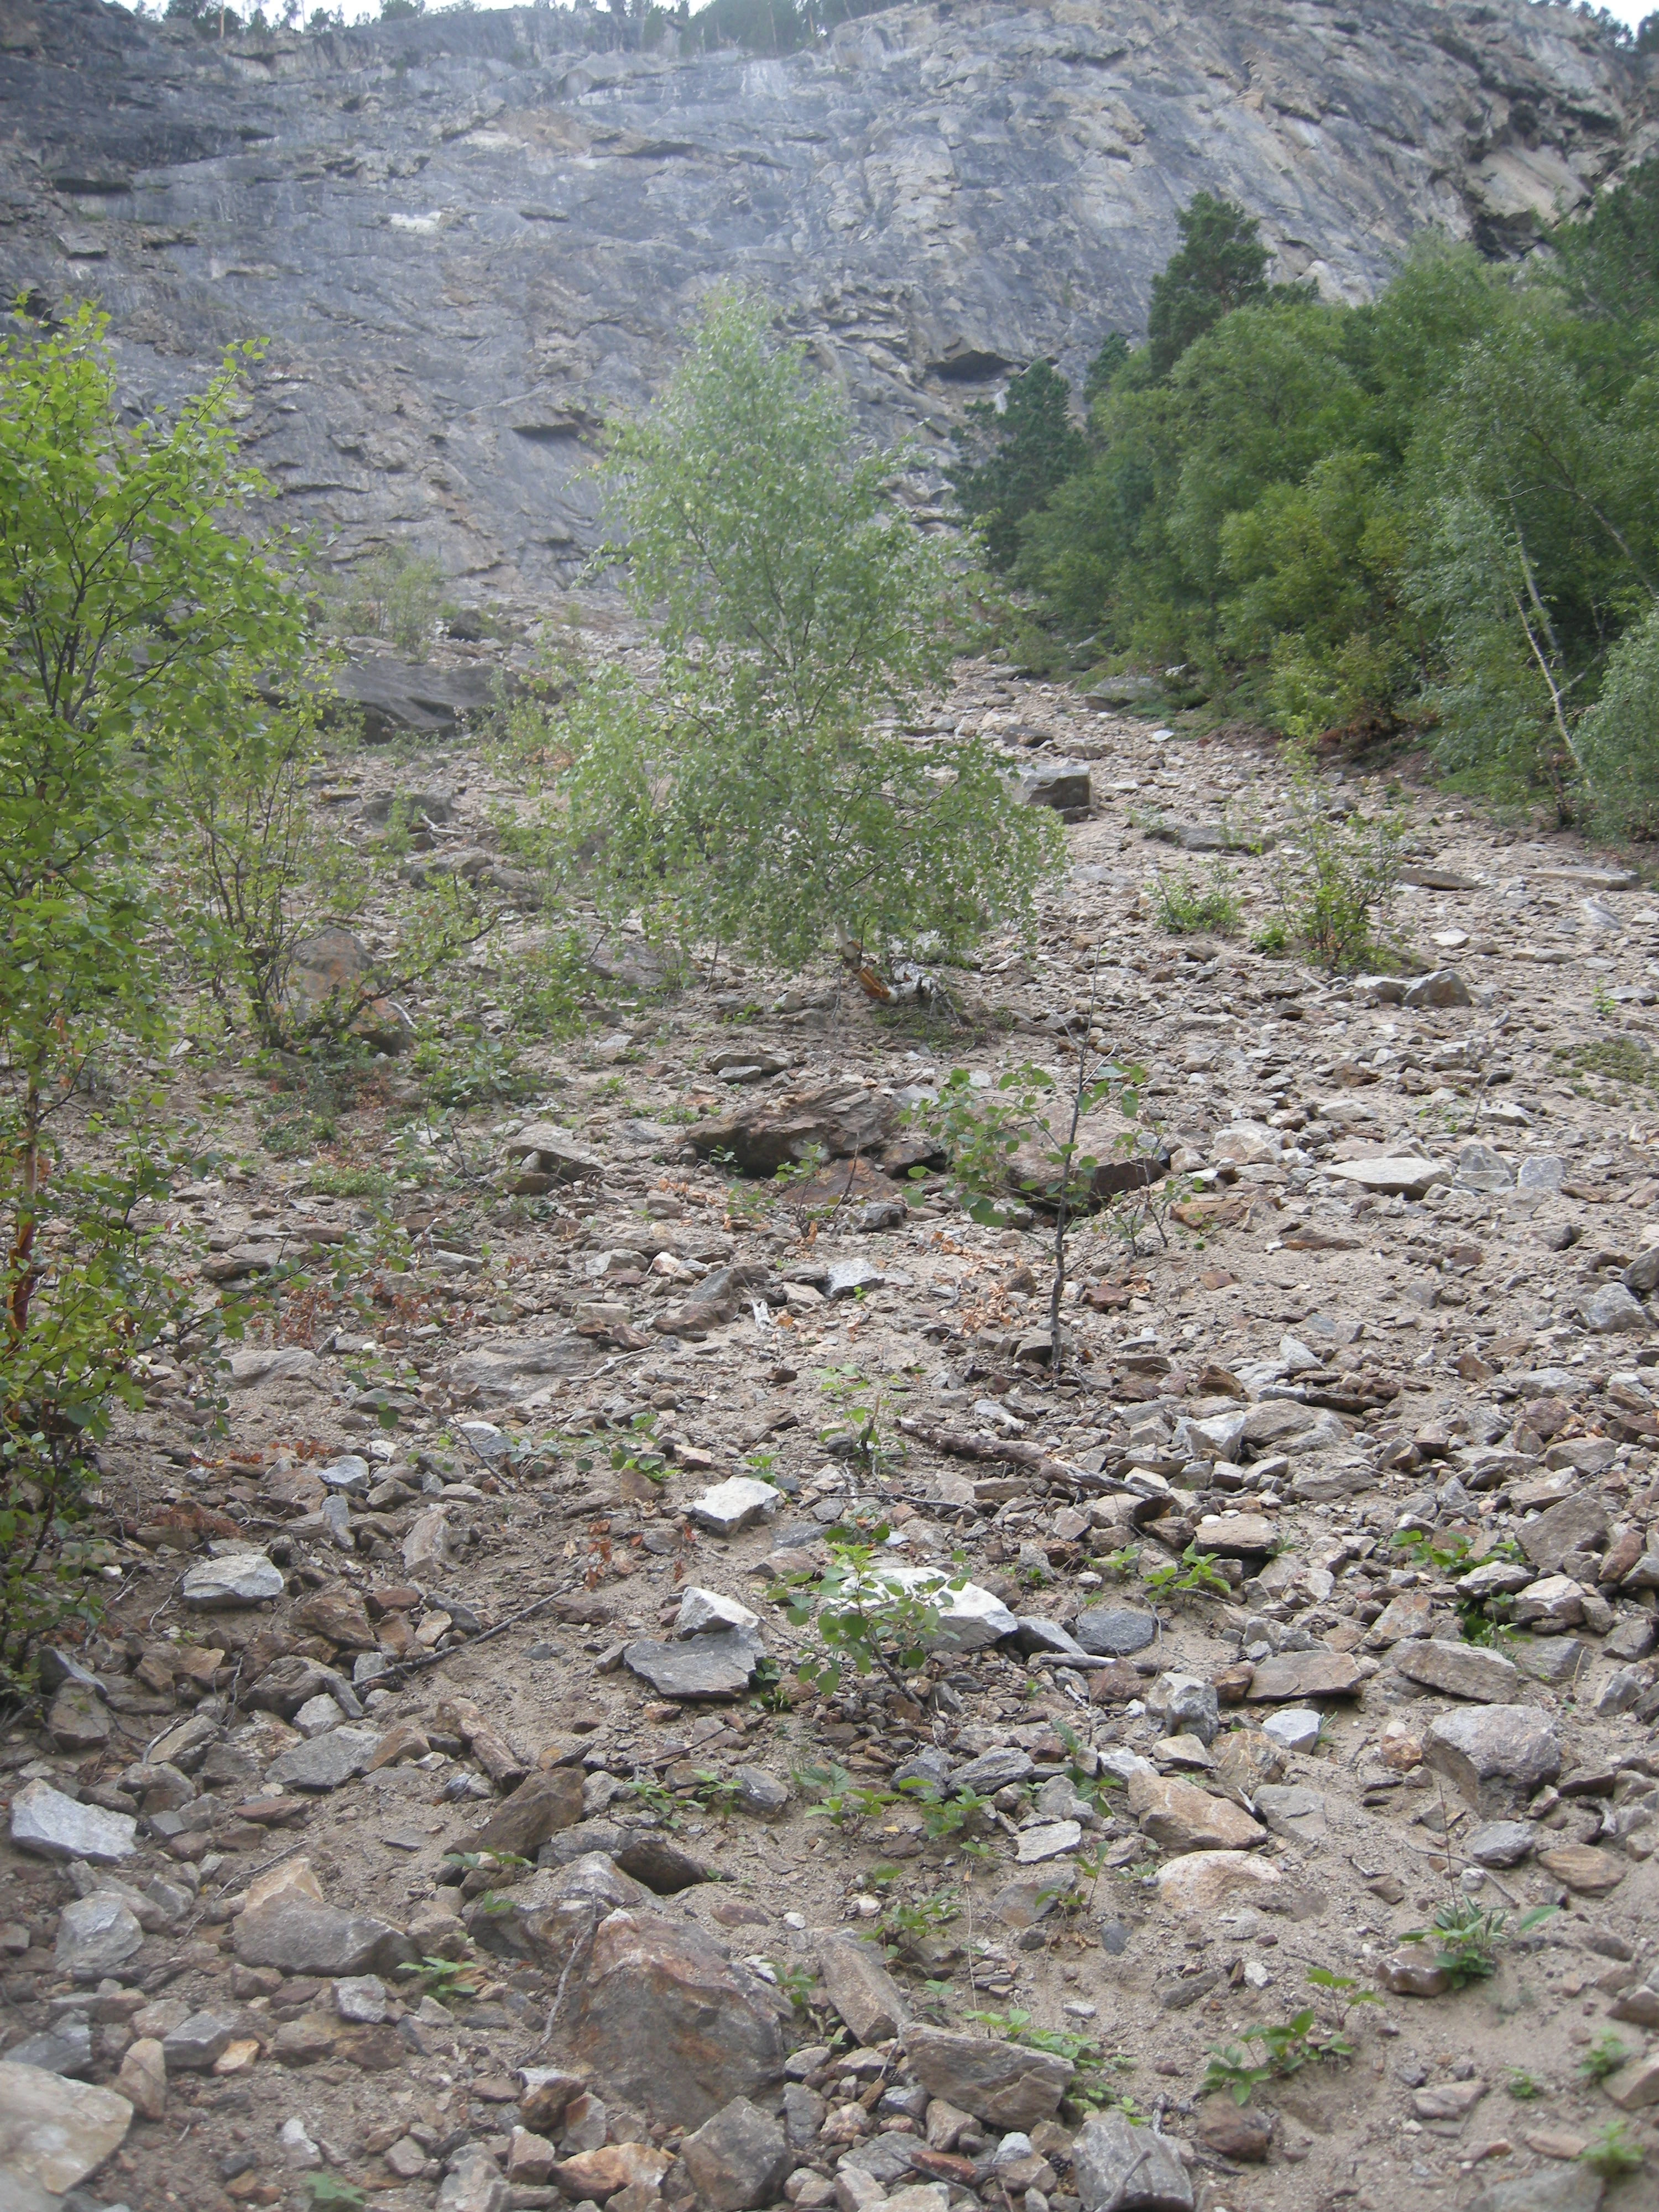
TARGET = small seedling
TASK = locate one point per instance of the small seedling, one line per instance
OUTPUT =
(1523, 2086)
(443, 1979)
(866, 1615)
(1184, 907)
(328, 2189)
(1612, 2152)
(1286, 2047)
(1468, 1937)
(1605, 2056)
(1196, 1573)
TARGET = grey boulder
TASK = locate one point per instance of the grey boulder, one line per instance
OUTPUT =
(1002, 2083)
(738, 2158)
(44, 1820)
(1120, 2168)
(1494, 1756)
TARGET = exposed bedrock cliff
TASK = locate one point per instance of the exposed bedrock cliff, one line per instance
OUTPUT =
(468, 238)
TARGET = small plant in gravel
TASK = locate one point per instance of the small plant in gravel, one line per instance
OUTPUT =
(1194, 1575)
(1612, 2152)
(866, 1616)
(1468, 1937)
(1185, 907)
(443, 1979)
(1335, 879)
(1524, 2087)
(1026, 1137)
(946, 1812)
(1605, 2056)
(1285, 2048)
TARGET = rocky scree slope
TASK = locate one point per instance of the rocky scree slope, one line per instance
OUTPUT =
(1409, 1292)
(472, 239)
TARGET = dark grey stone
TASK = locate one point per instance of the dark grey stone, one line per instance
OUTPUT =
(1115, 1631)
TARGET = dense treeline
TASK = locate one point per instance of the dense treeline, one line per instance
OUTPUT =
(1439, 511)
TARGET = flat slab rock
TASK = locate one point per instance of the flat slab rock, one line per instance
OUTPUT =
(1115, 1631)
(1002, 2083)
(1398, 1177)
(54, 1826)
(325, 1761)
(1293, 1675)
(1494, 1756)
(54, 2132)
(1461, 1670)
(719, 1665)
(239, 1578)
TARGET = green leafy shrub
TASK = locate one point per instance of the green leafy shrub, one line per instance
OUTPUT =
(747, 795)
(1185, 907)
(395, 594)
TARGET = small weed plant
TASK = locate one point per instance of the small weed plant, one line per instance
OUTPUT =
(1184, 905)
(1468, 1937)
(869, 1615)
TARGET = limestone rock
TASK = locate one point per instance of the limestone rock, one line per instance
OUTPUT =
(1120, 2168)
(737, 2158)
(1201, 1882)
(1002, 2083)
(325, 1761)
(143, 2079)
(541, 1804)
(95, 1935)
(670, 2023)
(1179, 1817)
(238, 1578)
(1494, 1756)
(720, 1665)
(861, 1989)
(1115, 1631)
(1293, 1675)
(733, 1505)
(1461, 1670)
(1402, 1177)
(54, 2132)
(53, 1826)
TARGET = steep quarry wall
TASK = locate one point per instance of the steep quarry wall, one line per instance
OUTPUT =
(469, 238)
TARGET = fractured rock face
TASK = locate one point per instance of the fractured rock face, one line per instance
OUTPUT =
(670, 2024)
(54, 2132)
(1002, 2083)
(1494, 1756)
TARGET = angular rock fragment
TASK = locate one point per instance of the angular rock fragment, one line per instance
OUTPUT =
(1494, 1756)
(670, 2024)
(1002, 2083)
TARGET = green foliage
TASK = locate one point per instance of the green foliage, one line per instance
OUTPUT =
(1439, 510)
(446, 1980)
(1012, 456)
(326, 2192)
(1196, 1575)
(395, 594)
(133, 629)
(1334, 880)
(1468, 1937)
(1031, 1136)
(1524, 2087)
(747, 795)
(1220, 265)
(867, 1615)
(1285, 2046)
(1185, 907)
(1605, 2056)
(1614, 2151)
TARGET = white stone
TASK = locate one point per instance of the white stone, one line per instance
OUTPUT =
(1402, 1176)
(426, 1547)
(239, 1578)
(735, 1504)
(317, 1715)
(45, 1820)
(53, 2131)
(1050, 1841)
(1296, 1728)
(970, 1618)
(701, 1610)
(296, 2149)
